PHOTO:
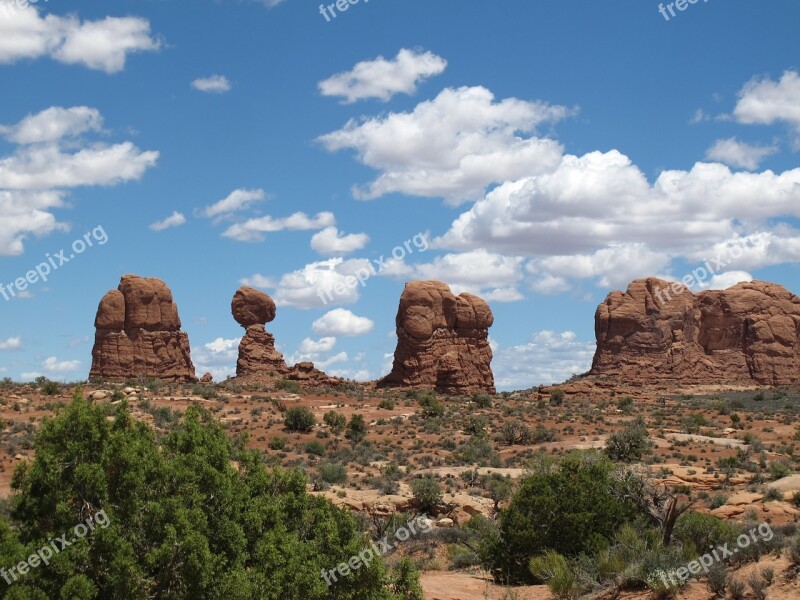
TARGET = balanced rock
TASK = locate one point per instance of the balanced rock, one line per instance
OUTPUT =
(258, 357)
(138, 334)
(442, 341)
(659, 331)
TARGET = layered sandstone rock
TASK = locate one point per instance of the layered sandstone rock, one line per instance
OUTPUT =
(138, 334)
(442, 341)
(258, 357)
(657, 332)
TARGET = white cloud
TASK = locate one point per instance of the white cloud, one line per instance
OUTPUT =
(258, 281)
(764, 101)
(320, 284)
(176, 219)
(734, 153)
(103, 45)
(217, 357)
(216, 84)
(335, 359)
(491, 276)
(550, 357)
(723, 281)
(329, 241)
(324, 344)
(54, 365)
(453, 146)
(382, 79)
(597, 216)
(253, 230)
(30, 376)
(12, 343)
(235, 201)
(49, 158)
(342, 322)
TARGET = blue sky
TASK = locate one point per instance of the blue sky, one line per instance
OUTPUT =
(549, 152)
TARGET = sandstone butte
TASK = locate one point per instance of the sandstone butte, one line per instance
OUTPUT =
(138, 334)
(258, 358)
(747, 334)
(442, 341)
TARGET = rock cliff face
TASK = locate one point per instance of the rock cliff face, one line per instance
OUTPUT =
(138, 333)
(258, 357)
(442, 341)
(657, 332)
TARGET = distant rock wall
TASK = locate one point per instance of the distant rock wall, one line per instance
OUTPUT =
(138, 333)
(749, 333)
(442, 341)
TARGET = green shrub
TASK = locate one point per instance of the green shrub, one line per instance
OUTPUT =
(475, 425)
(315, 448)
(277, 443)
(50, 388)
(332, 472)
(557, 397)
(427, 492)
(431, 407)
(703, 531)
(336, 421)
(482, 400)
(288, 385)
(300, 419)
(553, 569)
(356, 429)
(386, 404)
(630, 444)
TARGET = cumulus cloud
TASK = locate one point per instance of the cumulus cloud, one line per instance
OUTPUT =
(764, 101)
(382, 79)
(52, 364)
(324, 344)
(234, 202)
(596, 216)
(12, 343)
(330, 241)
(550, 357)
(453, 146)
(258, 281)
(176, 219)
(217, 357)
(216, 84)
(738, 154)
(722, 281)
(342, 322)
(51, 155)
(102, 45)
(253, 230)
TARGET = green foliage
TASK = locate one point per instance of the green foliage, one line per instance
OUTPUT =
(567, 505)
(315, 448)
(557, 397)
(182, 522)
(331, 472)
(514, 432)
(50, 388)
(482, 400)
(431, 407)
(553, 569)
(629, 444)
(299, 418)
(703, 531)
(625, 404)
(427, 492)
(287, 385)
(386, 404)
(356, 429)
(336, 421)
(277, 443)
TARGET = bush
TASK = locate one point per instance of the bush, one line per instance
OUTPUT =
(331, 472)
(287, 385)
(316, 448)
(431, 407)
(299, 419)
(427, 492)
(356, 429)
(482, 400)
(50, 388)
(630, 444)
(514, 432)
(542, 434)
(475, 425)
(553, 569)
(179, 520)
(703, 531)
(336, 421)
(557, 397)
(277, 443)
(386, 404)
(567, 505)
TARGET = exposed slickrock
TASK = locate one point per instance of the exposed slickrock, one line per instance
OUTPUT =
(442, 341)
(657, 332)
(138, 334)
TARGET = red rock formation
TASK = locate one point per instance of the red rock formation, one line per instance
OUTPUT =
(258, 357)
(138, 334)
(442, 341)
(657, 332)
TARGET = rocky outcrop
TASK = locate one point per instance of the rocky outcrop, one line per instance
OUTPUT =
(658, 331)
(442, 341)
(258, 357)
(138, 334)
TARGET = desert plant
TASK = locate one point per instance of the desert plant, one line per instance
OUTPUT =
(553, 569)
(427, 492)
(630, 444)
(299, 419)
(336, 421)
(356, 429)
